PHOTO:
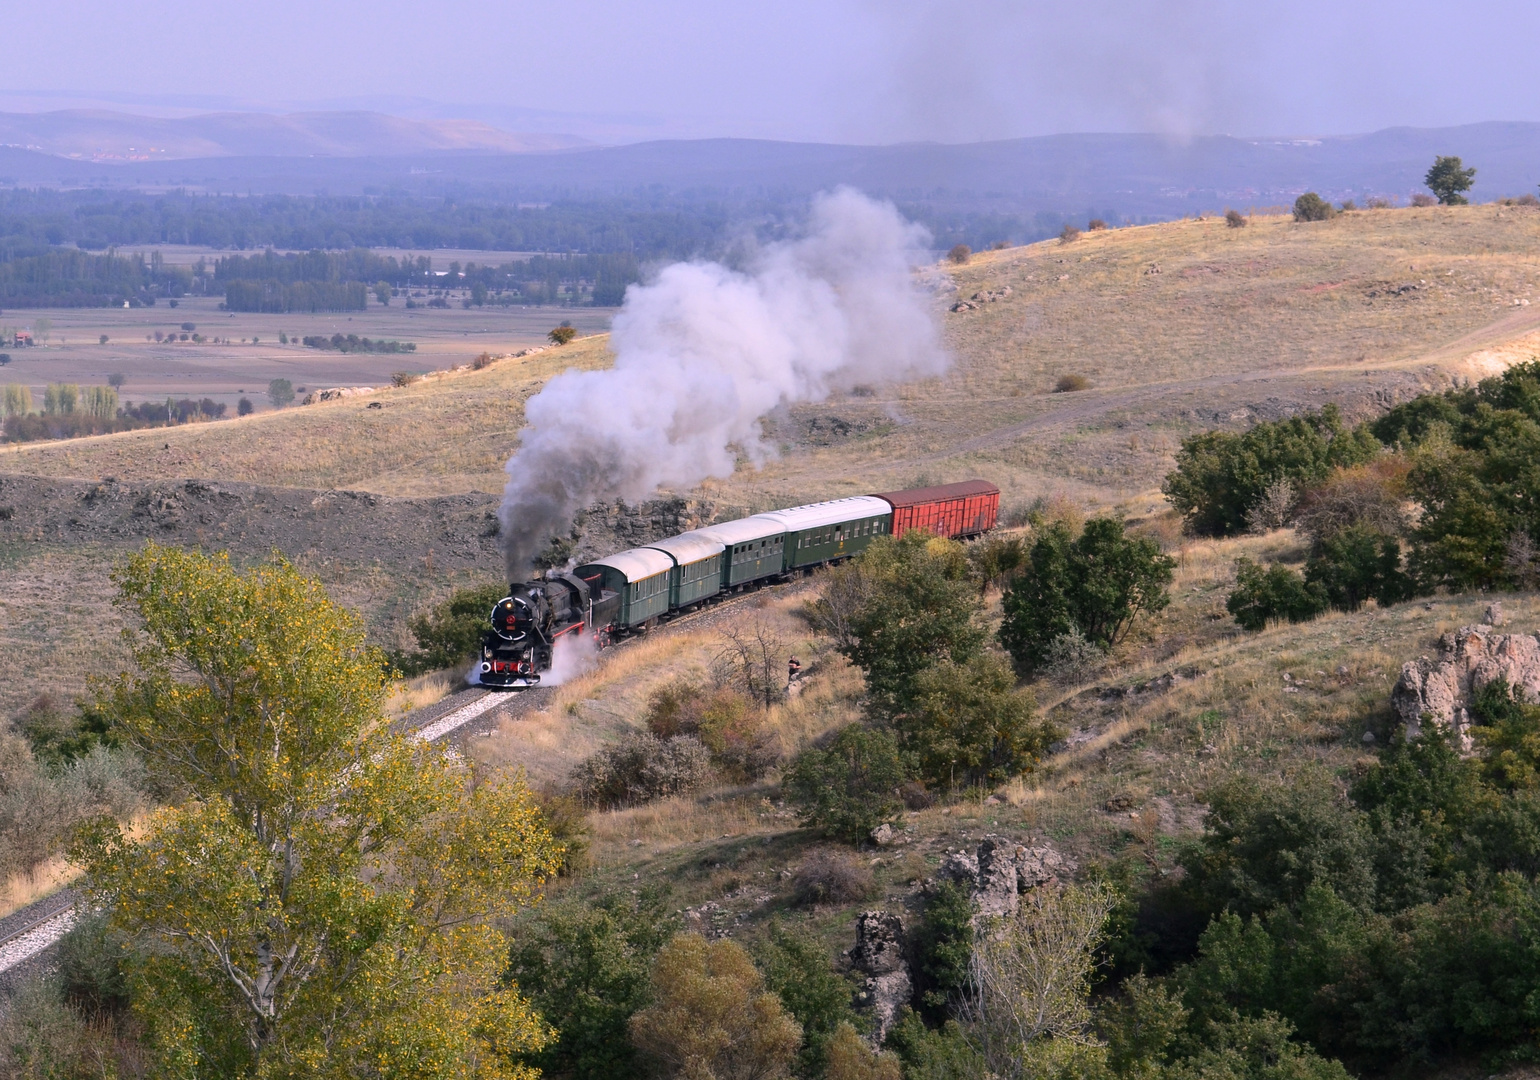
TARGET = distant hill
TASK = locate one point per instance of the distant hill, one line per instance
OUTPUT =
(101, 135)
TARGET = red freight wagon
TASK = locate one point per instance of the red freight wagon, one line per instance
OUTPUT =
(964, 509)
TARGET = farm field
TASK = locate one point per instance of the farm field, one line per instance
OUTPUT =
(251, 355)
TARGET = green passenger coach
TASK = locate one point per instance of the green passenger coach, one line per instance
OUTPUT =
(826, 531)
(753, 549)
(697, 571)
(641, 578)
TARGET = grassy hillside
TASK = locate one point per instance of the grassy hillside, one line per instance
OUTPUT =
(1177, 327)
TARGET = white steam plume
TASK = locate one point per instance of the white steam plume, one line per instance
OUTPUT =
(704, 352)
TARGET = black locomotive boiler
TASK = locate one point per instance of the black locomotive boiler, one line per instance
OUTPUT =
(528, 622)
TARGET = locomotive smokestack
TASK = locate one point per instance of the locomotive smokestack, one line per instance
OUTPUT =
(703, 352)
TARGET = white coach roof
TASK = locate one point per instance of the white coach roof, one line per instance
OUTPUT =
(690, 547)
(636, 563)
(833, 512)
(741, 531)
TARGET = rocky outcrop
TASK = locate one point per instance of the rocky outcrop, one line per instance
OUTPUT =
(1440, 690)
(979, 299)
(1000, 871)
(879, 956)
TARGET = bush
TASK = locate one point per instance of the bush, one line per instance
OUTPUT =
(905, 604)
(1276, 592)
(1069, 234)
(850, 1058)
(1069, 384)
(847, 789)
(1370, 495)
(1311, 207)
(244, 407)
(585, 968)
(731, 727)
(640, 768)
(1097, 583)
(1096, 225)
(482, 360)
(1219, 476)
(943, 947)
(832, 877)
(450, 634)
(1234, 219)
(404, 378)
(1273, 508)
(1420, 199)
(1357, 564)
(91, 960)
(280, 392)
(562, 334)
(960, 254)
(971, 726)
(796, 968)
(1071, 659)
(711, 1015)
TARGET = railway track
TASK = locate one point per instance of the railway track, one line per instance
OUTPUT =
(41, 925)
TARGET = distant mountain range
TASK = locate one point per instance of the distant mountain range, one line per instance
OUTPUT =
(1132, 177)
(105, 136)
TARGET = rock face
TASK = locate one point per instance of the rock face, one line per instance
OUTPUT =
(1000, 871)
(1469, 658)
(879, 955)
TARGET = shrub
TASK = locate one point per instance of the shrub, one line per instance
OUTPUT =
(482, 360)
(1069, 384)
(280, 392)
(1421, 199)
(731, 727)
(1379, 202)
(1273, 508)
(971, 726)
(1219, 475)
(1069, 234)
(832, 877)
(960, 254)
(910, 604)
(1311, 207)
(640, 768)
(91, 967)
(847, 789)
(1234, 219)
(450, 634)
(1370, 495)
(585, 968)
(1096, 225)
(1071, 659)
(943, 947)
(796, 968)
(1357, 564)
(995, 558)
(404, 378)
(1098, 583)
(1262, 595)
(562, 334)
(850, 1058)
(244, 407)
(711, 1015)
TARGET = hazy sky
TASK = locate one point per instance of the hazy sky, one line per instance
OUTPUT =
(833, 70)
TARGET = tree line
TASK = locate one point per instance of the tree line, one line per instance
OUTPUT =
(72, 278)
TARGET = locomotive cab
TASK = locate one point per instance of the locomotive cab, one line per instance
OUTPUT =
(526, 624)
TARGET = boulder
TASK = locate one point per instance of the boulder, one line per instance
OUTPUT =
(960, 866)
(879, 956)
(1037, 866)
(1440, 690)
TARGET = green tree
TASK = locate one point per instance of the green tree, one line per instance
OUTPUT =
(1448, 178)
(1358, 564)
(851, 1059)
(943, 945)
(711, 1016)
(914, 606)
(382, 291)
(796, 968)
(1098, 583)
(970, 725)
(1274, 592)
(479, 294)
(280, 392)
(585, 968)
(1311, 207)
(562, 334)
(847, 789)
(1220, 475)
(116, 380)
(317, 899)
(450, 634)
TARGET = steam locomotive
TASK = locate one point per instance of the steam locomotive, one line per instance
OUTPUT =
(528, 622)
(632, 589)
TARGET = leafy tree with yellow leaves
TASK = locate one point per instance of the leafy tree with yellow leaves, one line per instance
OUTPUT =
(317, 899)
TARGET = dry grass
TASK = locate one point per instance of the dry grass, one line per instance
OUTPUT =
(47, 879)
(1237, 324)
(418, 693)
